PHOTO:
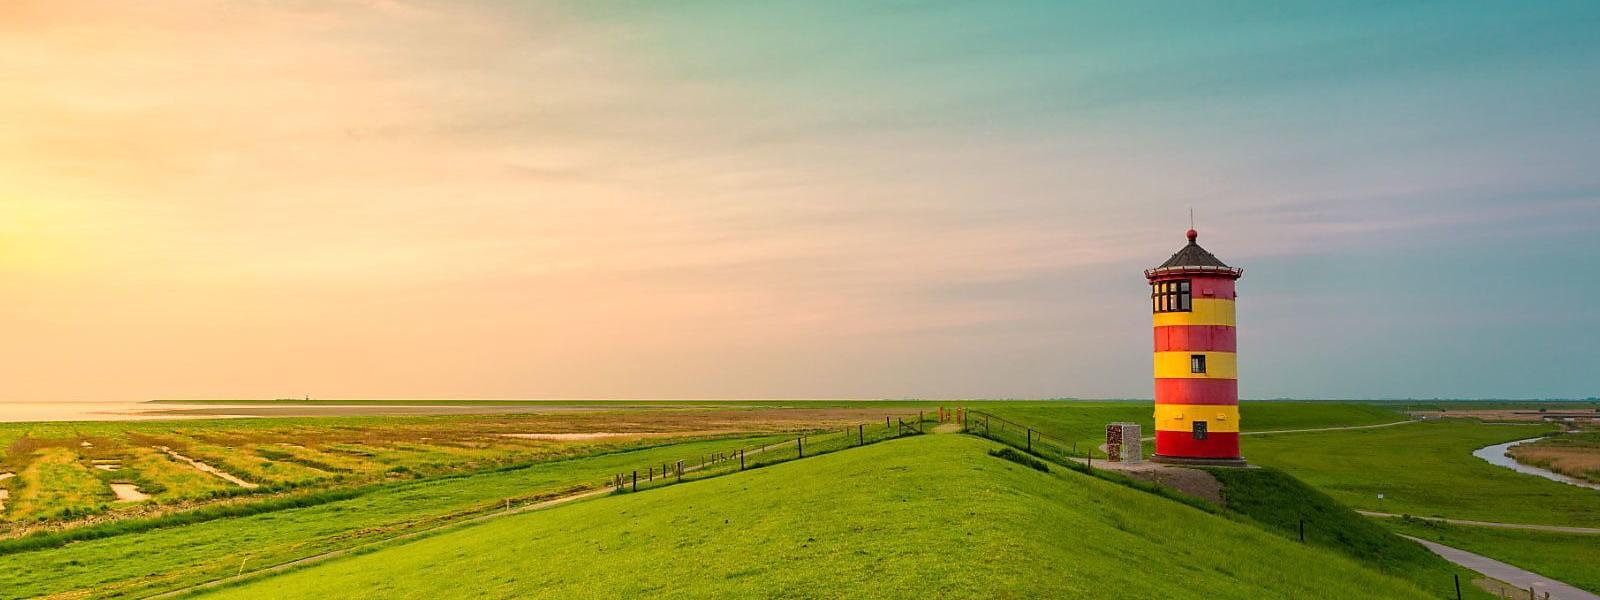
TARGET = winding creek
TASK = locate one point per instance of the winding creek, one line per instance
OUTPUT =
(1496, 455)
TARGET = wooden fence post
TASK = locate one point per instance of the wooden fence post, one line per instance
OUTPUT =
(861, 435)
(635, 481)
(800, 446)
(1458, 586)
(1302, 531)
(1030, 439)
(741, 459)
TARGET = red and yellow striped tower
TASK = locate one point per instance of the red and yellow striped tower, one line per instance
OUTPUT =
(1197, 390)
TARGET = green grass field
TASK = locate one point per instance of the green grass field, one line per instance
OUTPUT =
(1427, 469)
(927, 516)
(1571, 558)
(128, 565)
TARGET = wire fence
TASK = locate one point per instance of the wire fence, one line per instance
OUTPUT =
(741, 458)
(1009, 432)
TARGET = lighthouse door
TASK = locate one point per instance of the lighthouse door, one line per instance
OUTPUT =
(1199, 430)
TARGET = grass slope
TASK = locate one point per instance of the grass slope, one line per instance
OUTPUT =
(1427, 469)
(1282, 503)
(1570, 558)
(160, 559)
(927, 516)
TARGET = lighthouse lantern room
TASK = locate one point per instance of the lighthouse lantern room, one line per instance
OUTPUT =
(1197, 388)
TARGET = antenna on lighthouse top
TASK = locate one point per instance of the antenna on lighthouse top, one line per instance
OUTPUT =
(1191, 233)
(1191, 217)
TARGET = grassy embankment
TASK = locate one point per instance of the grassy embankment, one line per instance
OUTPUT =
(1570, 558)
(182, 554)
(927, 516)
(1427, 469)
(1284, 504)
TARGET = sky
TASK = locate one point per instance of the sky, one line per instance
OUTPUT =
(481, 199)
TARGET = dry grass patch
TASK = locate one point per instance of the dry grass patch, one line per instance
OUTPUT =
(169, 480)
(57, 484)
(1572, 461)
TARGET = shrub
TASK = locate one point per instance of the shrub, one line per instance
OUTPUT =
(1020, 458)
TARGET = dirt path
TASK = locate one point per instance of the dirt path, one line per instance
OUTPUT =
(1521, 578)
(1550, 528)
(229, 477)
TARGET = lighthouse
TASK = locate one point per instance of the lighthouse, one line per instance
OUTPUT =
(1197, 387)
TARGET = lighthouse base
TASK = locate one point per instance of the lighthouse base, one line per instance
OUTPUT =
(1200, 462)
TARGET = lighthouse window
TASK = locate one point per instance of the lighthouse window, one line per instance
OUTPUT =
(1197, 363)
(1170, 296)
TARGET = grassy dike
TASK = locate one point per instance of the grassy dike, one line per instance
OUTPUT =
(1281, 503)
(135, 561)
(933, 516)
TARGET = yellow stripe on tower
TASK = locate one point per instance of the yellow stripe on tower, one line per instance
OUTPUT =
(1177, 365)
(1181, 417)
(1206, 311)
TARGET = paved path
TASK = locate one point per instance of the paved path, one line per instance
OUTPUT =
(1550, 528)
(1518, 577)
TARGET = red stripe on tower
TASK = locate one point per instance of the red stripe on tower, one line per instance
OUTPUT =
(1197, 391)
(1206, 338)
(1217, 445)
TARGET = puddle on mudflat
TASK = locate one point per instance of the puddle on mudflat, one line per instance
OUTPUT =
(128, 492)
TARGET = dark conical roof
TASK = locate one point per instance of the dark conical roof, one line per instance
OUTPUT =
(1192, 255)
(1193, 260)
